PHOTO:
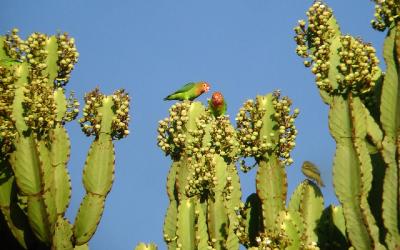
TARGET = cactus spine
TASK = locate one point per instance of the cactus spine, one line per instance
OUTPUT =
(35, 146)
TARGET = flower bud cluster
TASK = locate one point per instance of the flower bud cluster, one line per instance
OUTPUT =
(286, 129)
(201, 179)
(386, 12)
(67, 57)
(249, 123)
(172, 131)
(72, 108)
(39, 107)
(13, 45)
(7, 92)
(91, 120)
(36, 54)
(223, 139)
(240, 227)
(120, 121)
(229, 188)
(314, 42)
(358, 66)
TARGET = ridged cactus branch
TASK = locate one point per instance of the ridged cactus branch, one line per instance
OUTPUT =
(107, 118)
(35, 146)
(390, 119)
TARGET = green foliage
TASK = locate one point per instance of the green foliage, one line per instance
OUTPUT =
(35, 186)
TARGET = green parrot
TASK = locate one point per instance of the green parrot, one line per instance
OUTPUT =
(189, 91)
(217, 104)
(310, 170)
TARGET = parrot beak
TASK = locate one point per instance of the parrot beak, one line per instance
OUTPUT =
(207, 87)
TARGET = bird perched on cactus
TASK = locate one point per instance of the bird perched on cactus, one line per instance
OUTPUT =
(189, 91)
(217, 104)
(310, 170)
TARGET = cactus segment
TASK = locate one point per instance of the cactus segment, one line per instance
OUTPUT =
(216, 212)
(60, 150)
(331, 229)
(171, 181)
(61, 103)
(62, 237)
(390, 119)
(25, 163)
(390, 97)
(13, 214)
(98, 173)
(169, 228)
(311, 209)
(359, 123)
(186, 225)
(51, 71)
(346, 173)
(271, 188)
(88, 218)
(38, 219)
(289, 228)
(202, 238)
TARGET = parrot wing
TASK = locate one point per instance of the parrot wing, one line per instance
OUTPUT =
(185, 88)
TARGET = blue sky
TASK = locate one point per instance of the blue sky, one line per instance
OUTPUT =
(151, 48)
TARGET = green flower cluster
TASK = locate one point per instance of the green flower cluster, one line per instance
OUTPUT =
(39, 107)
(200, 160)
(171, 131)
(13, 45)
(67, 57)
(224, 141)
(91, 120)
(120, 122)
(314, 42)
(386, 12)
(249, 123)
(36, 54)
(7, 93)
(358, 66)
(287, 130)
(72, 107)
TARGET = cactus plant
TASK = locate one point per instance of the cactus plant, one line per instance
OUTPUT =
(35, 189)
(203, 185)
(363, 120)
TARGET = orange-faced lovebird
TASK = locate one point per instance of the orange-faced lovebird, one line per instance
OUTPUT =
(189, 91)
(217, 104)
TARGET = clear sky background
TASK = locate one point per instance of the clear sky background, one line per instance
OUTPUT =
(151, 48)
